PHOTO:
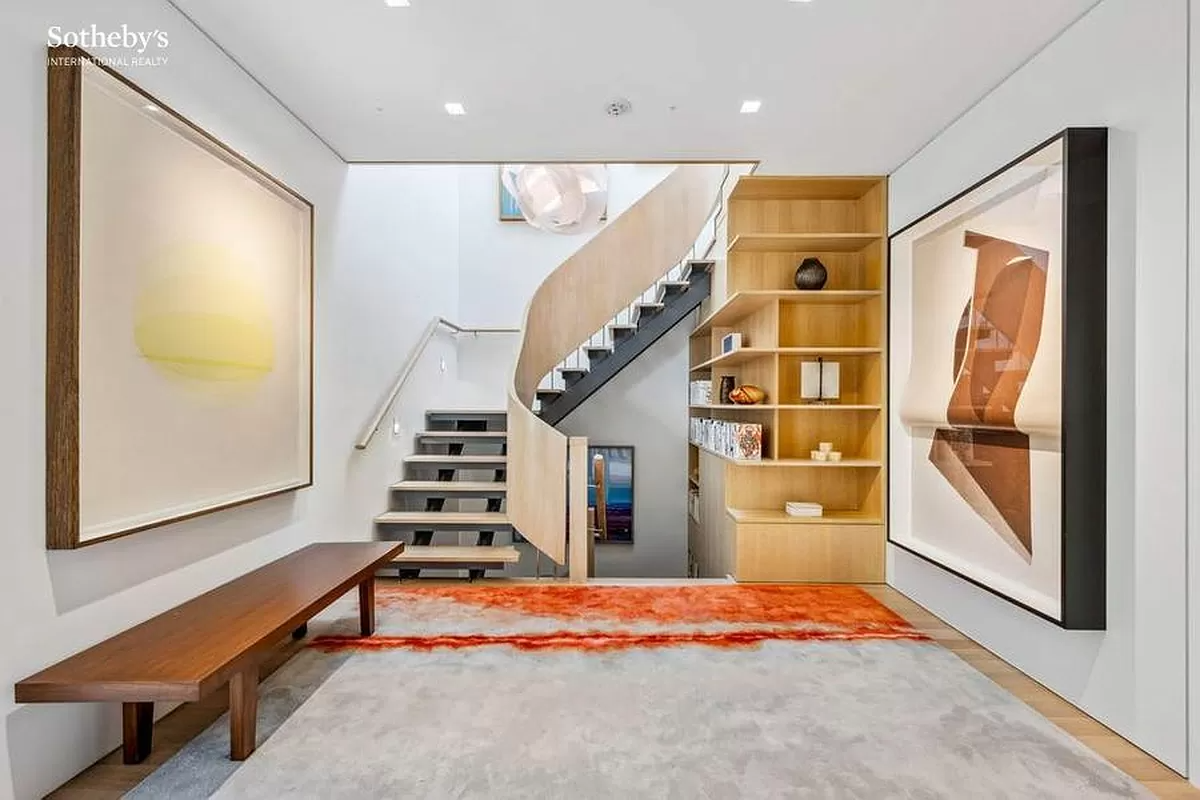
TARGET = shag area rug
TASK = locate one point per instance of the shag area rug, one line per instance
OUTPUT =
(552, 691)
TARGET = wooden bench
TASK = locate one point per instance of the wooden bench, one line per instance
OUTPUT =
(219, 638)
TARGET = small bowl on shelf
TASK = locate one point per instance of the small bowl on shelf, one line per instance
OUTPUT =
(819, 455)
(834, 455)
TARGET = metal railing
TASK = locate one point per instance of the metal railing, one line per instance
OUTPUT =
(414, 357)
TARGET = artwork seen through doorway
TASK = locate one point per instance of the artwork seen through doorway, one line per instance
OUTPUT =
(610, 493)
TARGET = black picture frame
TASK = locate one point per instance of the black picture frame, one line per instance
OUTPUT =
(1084, 375)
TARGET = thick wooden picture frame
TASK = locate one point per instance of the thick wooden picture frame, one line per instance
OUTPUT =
(1082, 579)
(65, 138)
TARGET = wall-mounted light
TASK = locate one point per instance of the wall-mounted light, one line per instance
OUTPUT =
(751, 106)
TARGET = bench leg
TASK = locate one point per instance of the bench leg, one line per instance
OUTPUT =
(138, 719)
(243, 713)
(366, 606)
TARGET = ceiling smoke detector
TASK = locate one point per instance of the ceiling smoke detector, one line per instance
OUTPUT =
(618, 108)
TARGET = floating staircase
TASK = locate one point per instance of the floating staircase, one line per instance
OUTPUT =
(456, 486)
(626, 337)
(458, 449)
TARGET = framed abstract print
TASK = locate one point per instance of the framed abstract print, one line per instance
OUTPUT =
(997, 376)
(179, 305)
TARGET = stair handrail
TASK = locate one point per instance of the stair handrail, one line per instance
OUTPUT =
(586, 290)
(414, 356)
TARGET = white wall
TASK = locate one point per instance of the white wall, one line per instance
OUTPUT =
(646, 406)
(1133, 676)
(55, 604)
(1193, 440)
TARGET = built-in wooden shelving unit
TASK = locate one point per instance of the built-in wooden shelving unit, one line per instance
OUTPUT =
(740, 527)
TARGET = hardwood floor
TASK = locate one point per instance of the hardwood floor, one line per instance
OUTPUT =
(109, 778)
(1142, 767)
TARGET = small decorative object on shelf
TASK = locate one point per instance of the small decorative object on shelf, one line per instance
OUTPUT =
(731, 343)
(700, 393)
(747, 395)
(728, 382)
(798, 509)
(820, 380)
(825, 452)
(811, 275)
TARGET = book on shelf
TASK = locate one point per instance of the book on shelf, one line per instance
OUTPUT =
(798, 509)
(737, 440)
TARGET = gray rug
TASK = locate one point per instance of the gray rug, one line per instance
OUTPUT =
(784, 719)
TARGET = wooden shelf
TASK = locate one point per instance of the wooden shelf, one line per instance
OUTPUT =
(743, 304)
(802, 242)
(743, 528)
(740, 356)
(789, 187)
(845, 463)
(751, 353)
(755, 516)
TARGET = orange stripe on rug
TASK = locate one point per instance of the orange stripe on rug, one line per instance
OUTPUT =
(842, 606)
(594, 642)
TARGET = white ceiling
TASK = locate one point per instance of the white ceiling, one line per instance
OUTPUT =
(846, 85)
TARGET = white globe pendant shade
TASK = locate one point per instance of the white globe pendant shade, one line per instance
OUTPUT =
(559, 198)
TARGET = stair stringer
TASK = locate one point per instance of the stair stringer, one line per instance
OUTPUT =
(576, 299)
(679, 310)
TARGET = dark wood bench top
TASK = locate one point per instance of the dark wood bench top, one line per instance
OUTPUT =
(195, 648)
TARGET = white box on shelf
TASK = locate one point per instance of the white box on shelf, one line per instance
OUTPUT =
(731, 342)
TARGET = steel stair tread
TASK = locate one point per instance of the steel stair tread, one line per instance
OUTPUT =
(459, 520)
(472, 435)
(444, 412)
(465, 461)
(451, 554)
(450, 487)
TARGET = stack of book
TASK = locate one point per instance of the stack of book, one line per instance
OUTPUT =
(797, 509)
(738, 440)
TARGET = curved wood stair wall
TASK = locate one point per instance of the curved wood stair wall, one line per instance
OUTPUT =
(579, 297)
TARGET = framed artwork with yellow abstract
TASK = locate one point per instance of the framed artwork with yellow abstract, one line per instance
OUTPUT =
(179, 316)
(997, 370)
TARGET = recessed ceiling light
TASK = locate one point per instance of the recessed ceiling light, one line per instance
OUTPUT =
(751, 106)
(150, 107)
(396, 3)
(455, 109)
